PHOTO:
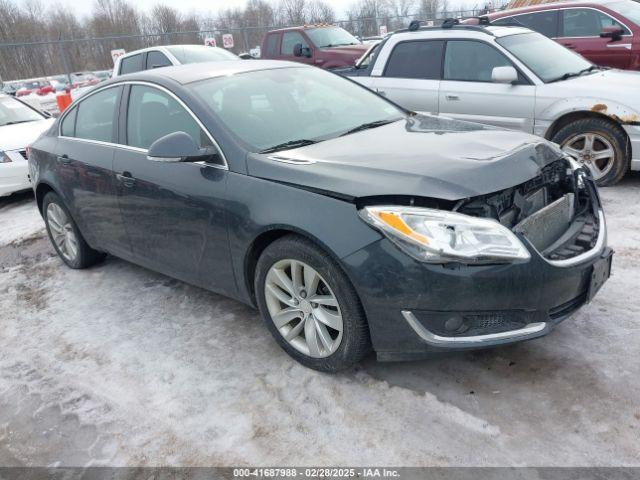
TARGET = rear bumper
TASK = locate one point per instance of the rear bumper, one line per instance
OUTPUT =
(633, 131)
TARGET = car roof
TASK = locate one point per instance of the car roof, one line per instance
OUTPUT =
(549, 6)
(468, 30)
(193, 72)
(164, 47)
(303, 27)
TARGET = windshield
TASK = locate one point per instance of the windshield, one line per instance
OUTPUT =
(200, 53)
(547, 59)
(270, 107)
(331, 37)
(12, 111)
(365, 60)
(627, 9)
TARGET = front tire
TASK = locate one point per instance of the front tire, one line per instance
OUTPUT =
(310, 306)
(600, 145)
(65, 236)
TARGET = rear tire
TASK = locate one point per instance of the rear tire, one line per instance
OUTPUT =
(606, 136)
(328, 335)
(65, 236)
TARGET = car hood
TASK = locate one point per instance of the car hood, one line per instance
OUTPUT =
(615, 85)
(348, 50)
(424, 155)
(19, 136)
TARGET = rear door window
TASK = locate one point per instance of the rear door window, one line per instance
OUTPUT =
(545, 22)
(95, 117)
(586, 22)
(157, 59)
(131, 64)
(416, 59)
(272, 45)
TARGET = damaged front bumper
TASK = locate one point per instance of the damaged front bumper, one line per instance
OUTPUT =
(415, 309)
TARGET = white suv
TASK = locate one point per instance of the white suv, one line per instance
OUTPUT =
(515, 78)
(166, 56)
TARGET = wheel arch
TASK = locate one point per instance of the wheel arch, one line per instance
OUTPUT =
(265, 238)
(41, 191)
(576, 115)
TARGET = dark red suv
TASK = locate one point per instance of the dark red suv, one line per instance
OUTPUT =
(606, 33)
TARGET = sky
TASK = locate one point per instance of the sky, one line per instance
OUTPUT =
(186, 6)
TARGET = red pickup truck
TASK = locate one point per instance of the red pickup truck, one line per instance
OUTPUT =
(324, 46)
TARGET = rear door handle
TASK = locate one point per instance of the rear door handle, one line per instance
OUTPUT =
(64, 159)
(381, 92)
(452, 97)
(126, 179)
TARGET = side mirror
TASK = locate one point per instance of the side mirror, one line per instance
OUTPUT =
(612, 32)
(174, 147)
(300, 51)
(504, 75)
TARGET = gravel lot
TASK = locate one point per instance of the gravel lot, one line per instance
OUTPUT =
(118, 365)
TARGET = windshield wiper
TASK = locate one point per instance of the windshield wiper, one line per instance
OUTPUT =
(575, 74)
(287, 145)
(367, 126)
(16, 122)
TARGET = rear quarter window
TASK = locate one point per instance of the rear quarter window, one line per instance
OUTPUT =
(131, 64)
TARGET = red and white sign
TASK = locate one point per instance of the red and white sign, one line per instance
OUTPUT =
(117, 53)
(383, 30)
(227, 40)
(210, 42)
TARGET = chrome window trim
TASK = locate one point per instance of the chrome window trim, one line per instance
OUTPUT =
(560, 9)
(225, 166)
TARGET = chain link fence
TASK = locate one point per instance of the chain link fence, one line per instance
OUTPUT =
(19, 61)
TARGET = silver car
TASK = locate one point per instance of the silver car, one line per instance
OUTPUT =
(515, 78)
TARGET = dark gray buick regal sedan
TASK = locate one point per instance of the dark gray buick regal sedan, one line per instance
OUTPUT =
(352, 224)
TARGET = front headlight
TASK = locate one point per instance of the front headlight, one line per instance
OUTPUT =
(4, 158)
(438, 236)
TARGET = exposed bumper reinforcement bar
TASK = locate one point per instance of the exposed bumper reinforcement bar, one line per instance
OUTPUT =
(529, 331)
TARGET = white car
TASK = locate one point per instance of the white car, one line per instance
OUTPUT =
(20, 125)
(166, 56)
(513, 78)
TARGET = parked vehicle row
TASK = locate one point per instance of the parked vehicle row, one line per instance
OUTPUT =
(350, 222)
(514, 78)
(20, 125)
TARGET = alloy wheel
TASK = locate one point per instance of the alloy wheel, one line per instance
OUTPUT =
(303, 308)
(592, 150)
(62, 232)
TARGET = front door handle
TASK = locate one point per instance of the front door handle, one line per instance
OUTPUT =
(452, 97)
(381, 92)
(126, 179)
(64, 159)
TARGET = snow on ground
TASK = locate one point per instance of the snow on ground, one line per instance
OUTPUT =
(117, 365)
(19, 218)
